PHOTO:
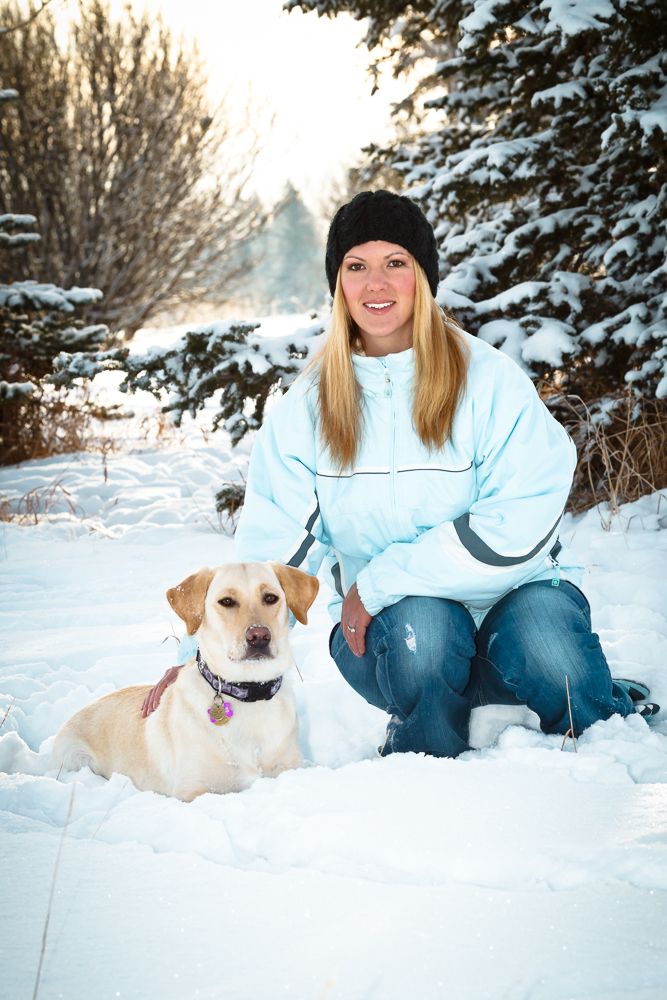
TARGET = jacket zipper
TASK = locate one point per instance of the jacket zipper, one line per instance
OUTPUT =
(388, 392)
(555, 566)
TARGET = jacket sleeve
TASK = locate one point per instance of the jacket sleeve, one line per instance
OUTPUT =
(281, 518)
(524, 463)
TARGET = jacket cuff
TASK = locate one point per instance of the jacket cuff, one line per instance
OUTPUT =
(187, 648)
(368, 597)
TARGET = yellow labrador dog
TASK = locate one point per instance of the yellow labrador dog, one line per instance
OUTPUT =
(230, 715)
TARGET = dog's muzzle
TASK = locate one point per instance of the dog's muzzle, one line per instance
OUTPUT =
(258, 639)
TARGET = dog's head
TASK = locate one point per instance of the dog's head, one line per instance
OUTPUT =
(241, 610)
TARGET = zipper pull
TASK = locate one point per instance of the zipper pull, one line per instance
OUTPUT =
(555, 579)
(387, 378)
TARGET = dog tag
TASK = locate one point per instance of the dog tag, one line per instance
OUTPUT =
(220, 711)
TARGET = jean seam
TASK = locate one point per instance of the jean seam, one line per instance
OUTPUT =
(479, 694)
(392, 706)
(585, 612)
(579, 591)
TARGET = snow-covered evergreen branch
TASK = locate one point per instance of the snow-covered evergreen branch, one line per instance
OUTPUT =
(229, 356)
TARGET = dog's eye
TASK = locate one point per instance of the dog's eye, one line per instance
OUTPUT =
(270, 598)
(227, 602)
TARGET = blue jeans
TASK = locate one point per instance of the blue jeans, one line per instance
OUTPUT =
(426, 664)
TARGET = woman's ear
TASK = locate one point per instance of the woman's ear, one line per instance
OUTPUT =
(300, 589)
(187, 599)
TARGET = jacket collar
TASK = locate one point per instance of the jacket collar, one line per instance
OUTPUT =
(371, 371)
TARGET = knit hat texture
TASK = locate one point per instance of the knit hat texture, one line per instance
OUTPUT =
(381, 215)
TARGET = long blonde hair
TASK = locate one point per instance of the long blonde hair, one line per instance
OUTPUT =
(441, 365)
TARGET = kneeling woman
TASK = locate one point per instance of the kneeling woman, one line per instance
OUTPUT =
(419, 463)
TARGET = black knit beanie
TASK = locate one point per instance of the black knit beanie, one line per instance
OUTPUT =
(381, 215)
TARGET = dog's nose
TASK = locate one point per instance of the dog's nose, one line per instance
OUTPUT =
(258, 636)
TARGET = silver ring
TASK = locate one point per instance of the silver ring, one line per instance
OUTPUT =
(350, 629)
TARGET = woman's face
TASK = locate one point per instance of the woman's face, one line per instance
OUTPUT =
(378, 282)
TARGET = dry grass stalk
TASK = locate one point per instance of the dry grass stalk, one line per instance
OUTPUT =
(53, 886)
(4, 718)
(386, 737)
(327, 989)
(36, 503)
(622, 449)
(157, 429)
(109, 809)
(570, 731)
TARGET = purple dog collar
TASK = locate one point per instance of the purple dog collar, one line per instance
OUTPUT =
(250, 691)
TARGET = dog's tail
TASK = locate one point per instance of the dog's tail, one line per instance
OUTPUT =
(70, 753)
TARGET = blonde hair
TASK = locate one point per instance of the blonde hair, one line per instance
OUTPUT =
(441, 364)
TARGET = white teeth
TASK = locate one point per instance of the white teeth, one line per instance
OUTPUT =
(378, 305)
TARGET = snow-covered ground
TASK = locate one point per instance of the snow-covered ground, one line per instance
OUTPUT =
(517, 872)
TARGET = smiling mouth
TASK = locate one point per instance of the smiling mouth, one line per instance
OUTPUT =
(379, 307)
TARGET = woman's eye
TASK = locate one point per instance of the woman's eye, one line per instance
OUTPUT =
(227, 602)
(270, 598)
(355, 267)
(399, 263)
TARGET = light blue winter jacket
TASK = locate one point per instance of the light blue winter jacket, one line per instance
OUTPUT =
(469, 522)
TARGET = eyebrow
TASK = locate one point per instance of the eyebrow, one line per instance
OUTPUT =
(395, 253)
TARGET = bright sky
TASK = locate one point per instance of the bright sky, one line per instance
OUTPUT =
(312, 75)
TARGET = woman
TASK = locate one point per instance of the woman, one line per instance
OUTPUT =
(420, 465)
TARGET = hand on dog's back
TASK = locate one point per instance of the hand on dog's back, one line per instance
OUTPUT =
(152, 699)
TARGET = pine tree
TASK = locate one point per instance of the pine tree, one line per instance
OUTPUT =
(547, 180)
(286, 273)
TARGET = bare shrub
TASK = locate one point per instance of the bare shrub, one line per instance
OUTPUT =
(53, 423)
(138, 186)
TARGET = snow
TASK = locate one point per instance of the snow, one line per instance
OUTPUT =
(571, 17)
(12, 390)
(482, 16)
(574, 16)
(551, 343)
(33, 295)
(507, 335)
(516, 871)
(492, 163)
(656, 118)
(561, 92)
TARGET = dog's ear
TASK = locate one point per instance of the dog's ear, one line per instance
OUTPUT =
(300, 589)
(187, 599)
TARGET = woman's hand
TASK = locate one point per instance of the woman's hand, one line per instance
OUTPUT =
(152, 699)
(354, 621)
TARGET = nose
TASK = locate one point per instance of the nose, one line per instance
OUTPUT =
(257, 636)
(376, 279)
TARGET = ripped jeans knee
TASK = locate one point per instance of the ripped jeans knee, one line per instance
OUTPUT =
(416, 667)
